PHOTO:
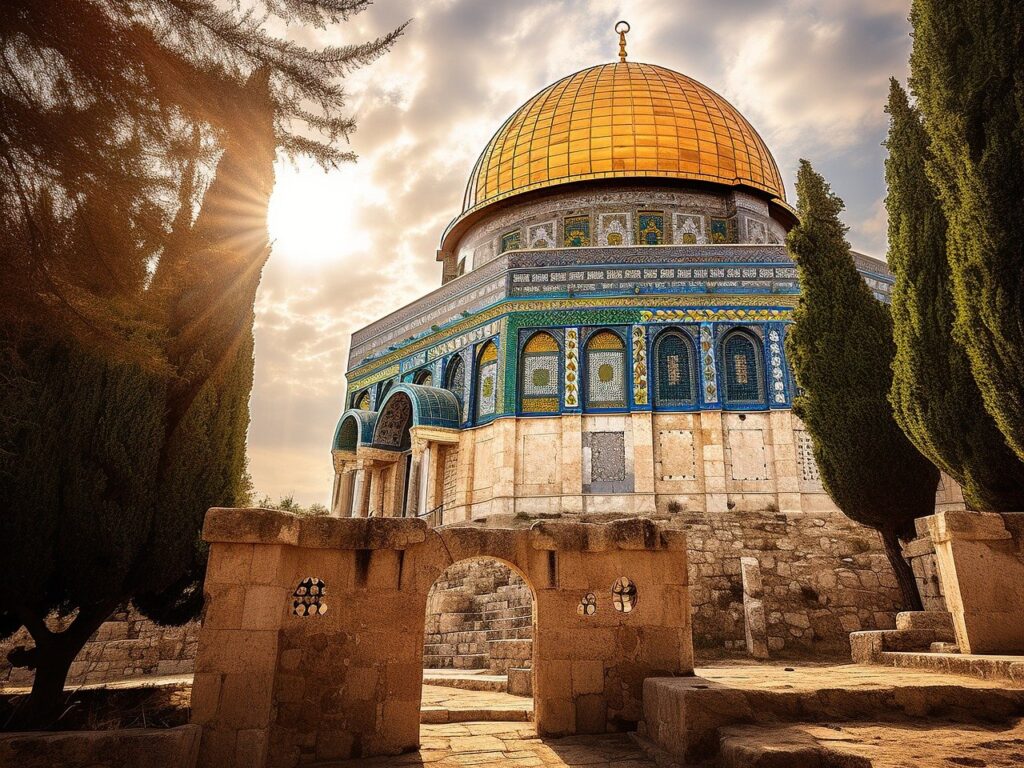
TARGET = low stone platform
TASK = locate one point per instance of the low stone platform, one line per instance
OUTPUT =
(450, 705)
(466, 680)
(1005, 669)
(690, 717)
(510, 745)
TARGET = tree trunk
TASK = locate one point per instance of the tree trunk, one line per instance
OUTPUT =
(52, 657)
(904, 573)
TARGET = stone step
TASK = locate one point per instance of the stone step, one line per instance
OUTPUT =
(686, 715)
(466, 680)
(510, 649)
(519, 681)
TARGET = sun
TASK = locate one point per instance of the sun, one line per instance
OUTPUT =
(312, 212)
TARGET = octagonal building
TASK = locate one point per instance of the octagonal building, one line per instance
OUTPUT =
(609, 333)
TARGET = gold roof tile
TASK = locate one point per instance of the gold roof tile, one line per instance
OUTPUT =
(658, 123)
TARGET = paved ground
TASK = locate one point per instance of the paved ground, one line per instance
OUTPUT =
(516, 745)
(453, 705)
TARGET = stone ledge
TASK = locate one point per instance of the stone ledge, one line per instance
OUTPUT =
(269, 526)
(136, 747)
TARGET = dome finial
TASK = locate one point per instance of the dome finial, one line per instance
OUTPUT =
(622, 27)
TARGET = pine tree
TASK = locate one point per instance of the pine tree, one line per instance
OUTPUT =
(934, 397)
(841, 349)
(967, 72)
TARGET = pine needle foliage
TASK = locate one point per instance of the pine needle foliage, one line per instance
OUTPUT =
(967, 73)
(934, 396)
(841, 349)
(117, 104)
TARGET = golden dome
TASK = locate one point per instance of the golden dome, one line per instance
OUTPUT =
(622, 120)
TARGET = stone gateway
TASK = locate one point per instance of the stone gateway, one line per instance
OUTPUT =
(311, 646)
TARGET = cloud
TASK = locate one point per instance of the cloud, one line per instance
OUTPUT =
(358, 242)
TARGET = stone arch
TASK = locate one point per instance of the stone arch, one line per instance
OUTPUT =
(355, 428)
(741, 368)
(675, 369)
(413, 405)
(540, 372)
(604, 363)
(364, 656)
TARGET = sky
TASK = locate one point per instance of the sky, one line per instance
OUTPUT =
(355, 243)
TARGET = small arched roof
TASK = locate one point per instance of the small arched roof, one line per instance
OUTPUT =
(360, 426)
(431, 406)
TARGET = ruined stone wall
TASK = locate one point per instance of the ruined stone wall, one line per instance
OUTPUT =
(128, 645)
(824, 577)
(479, 616)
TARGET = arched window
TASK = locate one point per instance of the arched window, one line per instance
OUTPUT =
(675, 372)
(605, 358)
(487, 381)
(455, 378)
(424, 378)
(362, 400)
(538, 375)
(742, 369)
(382, 391)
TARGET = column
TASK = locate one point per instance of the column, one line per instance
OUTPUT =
(412, 498)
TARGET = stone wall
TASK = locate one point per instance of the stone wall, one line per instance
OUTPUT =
(479, 616)
(311, 648)
(824, 576)
(128, 645)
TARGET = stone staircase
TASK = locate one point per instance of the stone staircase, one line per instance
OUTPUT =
(479, 616)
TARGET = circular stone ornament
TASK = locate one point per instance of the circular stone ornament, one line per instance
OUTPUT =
(587, 606)
(624, 595)
(307, 599)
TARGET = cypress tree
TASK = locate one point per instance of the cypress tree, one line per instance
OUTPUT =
(934, 397)
(967, 72)
(841, 348)
(108, 483)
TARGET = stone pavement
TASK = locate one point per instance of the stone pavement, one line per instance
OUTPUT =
(453, 705)
(511, 745)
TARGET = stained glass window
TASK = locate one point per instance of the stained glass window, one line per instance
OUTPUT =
(741, 369)
(675, 372)
(576, 232)
(487, 381)
(606, 371)
(539, 375)
(650, 227)
(455, 378)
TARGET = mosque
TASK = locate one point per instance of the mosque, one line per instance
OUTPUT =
(608, 340)
(609, 332)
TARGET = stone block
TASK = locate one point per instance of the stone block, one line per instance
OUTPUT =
(936, 620)
(587, 677)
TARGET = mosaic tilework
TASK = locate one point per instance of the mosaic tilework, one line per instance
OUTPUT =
(463, 340)
(688, 229)
(614, 229)
(778, 376)
(757, 231)
(542, 235)
(704, 315)
(606, 379)
(539, 372)
(709, 373)
(511, 241)
(650, 227)
(719, 231)
(576, 232)
(639, 345)
(393, 423)
(362, 403)
(487, 381)
(572, 368)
